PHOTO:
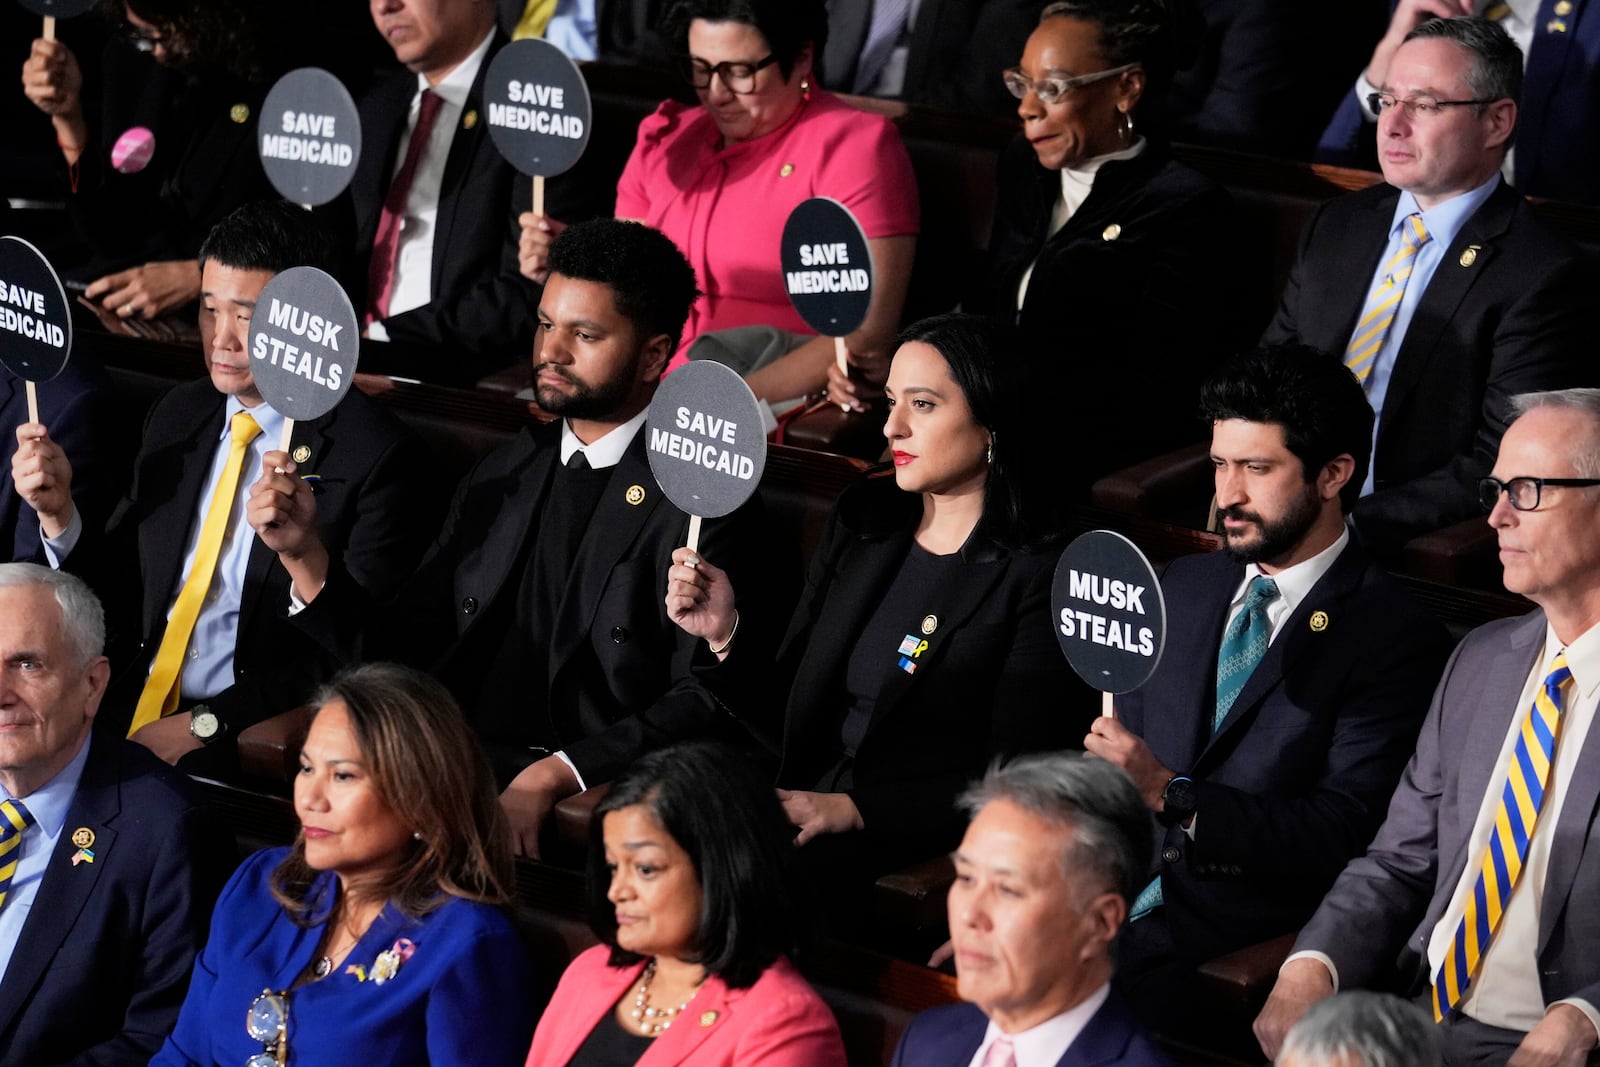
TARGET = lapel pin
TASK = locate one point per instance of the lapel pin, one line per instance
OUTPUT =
(1470, 256)
(1112, 232)
(635, 495)
(1555, 26)
(301, 453)
(930, 623)
(1564, 7)
(239, 113)
(83, 855)
(83, 837)
(1319, 621)
(469, 120)
(707, 1018)
(786, 170)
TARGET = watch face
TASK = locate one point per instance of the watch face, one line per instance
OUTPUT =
(1179, 795)
(203, 724)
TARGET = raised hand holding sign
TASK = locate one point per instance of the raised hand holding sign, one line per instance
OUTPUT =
(827, 269)
(1108, 611)
(35, 319)
(303, 345)
(705, 441)
(310, 136)
(538, 110)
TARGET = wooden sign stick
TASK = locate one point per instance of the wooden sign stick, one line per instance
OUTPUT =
(49, 27)
(538, 194)
(841, 355)
(33, 401)
(288, 432)
(694, 534)
(1107, 711)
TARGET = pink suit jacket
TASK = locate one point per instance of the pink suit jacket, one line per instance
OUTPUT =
(778, 1022)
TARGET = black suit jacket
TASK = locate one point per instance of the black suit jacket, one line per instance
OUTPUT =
(992, 681)
(374, 507)
(76, 408)
(103, 960)
(1511, 317)
(1295, 781)
(634, 690)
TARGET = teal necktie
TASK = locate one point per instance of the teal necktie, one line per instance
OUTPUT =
(1243, 645)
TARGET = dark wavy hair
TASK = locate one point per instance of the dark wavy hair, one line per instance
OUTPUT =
(650, 279)
(215, 33)
(726, 816)
(787, 25)
(269, 235)
(1315, 398)
(1162, 36)
(425, 764)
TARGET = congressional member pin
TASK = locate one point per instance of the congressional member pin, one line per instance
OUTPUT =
(930, 623)
(635, 495)
(707, 1018)
(1319, 621)
(239, 113)
(1470, 256)
(83, 837)
(469, 120)
(1564, 8)
(786, 170)
(1112, 232)
(301, 453)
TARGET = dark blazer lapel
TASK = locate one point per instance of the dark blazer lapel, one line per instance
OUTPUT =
(678, 1045)
(1446, 290)
(465, 143)
(1104, 1039)
(1198, 637)
(161, 553)
(66, 887)
(488, 564)
(1499, 686)
(391, 103)
(1354, 255)
(847, 34)
(1547, 58)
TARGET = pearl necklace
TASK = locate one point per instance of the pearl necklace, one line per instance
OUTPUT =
(652, 1020)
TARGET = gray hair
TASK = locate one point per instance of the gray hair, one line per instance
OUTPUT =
(1364, 1030)
(1496, 70)
(83, 620)
(1111, 834)
(1586, 457)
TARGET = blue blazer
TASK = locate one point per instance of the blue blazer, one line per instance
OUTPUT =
(100, 966)
(462, 997)
(1557, 154)
(950, 1036)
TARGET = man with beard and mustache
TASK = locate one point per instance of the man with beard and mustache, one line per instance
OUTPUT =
(1295, 677)
(540, 604)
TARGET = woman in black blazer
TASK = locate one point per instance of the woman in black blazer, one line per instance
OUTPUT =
(922, 645)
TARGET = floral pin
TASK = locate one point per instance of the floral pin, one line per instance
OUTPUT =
(387, 965)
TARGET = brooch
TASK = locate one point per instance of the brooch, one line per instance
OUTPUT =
(387, 965)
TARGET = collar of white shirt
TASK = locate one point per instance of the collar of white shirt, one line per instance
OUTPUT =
(607, 450)
(1045, 1044)
(1294, 583)
(455, 86)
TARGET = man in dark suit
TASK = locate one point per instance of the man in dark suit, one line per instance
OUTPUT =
(102, 902)
(1479, 881)
(1557, 155)
(1049, 866)
(1295, 676)
(541, 602)
(78, 403)
(240, 660)
(435, 234)
(1441, 290)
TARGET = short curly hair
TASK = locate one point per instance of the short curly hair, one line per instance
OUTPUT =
(650, 279)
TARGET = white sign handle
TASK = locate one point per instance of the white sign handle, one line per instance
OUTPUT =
(288, 432)
(694, 533)
(1107, 710)
(49, 27)
(538, 194)
(33, 401)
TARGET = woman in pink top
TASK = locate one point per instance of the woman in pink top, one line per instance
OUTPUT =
(720, 179)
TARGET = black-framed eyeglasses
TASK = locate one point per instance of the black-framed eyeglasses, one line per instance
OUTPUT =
(1053, 90)
(268, 1022)
(1523, 492)
(1424, 107)
(740, 78)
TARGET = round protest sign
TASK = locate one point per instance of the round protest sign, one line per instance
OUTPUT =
(705, 441)
(538, 107)
(1108, 611)
(310, 136)
(303, 343)
(827, 266)
(35, 319)
(60, 9)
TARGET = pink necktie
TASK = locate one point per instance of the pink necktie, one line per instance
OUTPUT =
(386, 243)
(1000, 1054)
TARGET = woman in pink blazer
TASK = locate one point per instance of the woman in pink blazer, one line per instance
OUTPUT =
(692, 892)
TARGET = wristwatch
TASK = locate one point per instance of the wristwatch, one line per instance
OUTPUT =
(204, 726)
(1177, 801)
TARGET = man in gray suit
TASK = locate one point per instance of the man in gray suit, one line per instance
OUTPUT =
(1479, 872)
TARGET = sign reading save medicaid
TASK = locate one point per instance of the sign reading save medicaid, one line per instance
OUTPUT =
(35, 319)
(1108, 611)
(303, 343)
(705, 440)
(538, 107)
(827, 266)
(309, 136)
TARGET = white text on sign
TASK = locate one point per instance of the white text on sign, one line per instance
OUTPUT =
(27, 320)
(539, 118)
(1092, 626)
(294, 359)
(306, 137)
(706, 454)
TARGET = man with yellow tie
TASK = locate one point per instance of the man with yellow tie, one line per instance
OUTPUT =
(1479, 877)
(200, 646)
(1440, 289)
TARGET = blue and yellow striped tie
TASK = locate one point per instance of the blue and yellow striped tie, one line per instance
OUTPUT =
(1502, 861)
(14, 819)
(1385, 300)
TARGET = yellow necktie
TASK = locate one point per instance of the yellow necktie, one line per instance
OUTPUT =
(160, 696)
(1385, 300)
(14, 822)
(535, 18)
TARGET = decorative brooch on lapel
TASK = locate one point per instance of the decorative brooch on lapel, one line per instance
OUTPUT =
(1319, 621)
(909, 651)
(83, 837)
(1470, 256)
(387, 964)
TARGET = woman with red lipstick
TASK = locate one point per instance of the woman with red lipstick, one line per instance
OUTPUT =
(692, 894)
(922, 645)
(1115, 261)
(380, 935)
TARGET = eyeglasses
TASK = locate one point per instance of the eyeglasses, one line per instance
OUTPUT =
(141, 39)
(1053, 90)
(1523, 492)
(740, 78)
(1424, 107)
(268, 1022)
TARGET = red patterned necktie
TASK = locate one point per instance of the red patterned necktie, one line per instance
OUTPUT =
(385, 245)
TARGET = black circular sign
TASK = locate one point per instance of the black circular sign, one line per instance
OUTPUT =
(827, 266)
(309, 136)
(705, 439)
(1108, 612)
(304, 340)
(537, 107)
(61, 9)
(35, 318)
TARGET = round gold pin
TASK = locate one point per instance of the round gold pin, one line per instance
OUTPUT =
(83, 837)
(929, 624)
(707, 1018)
(786, 170)
(469, 120)
(239, 113)
(1112, 232)
(1319, 621)
(301, 453)
(1469, 257)
(1564, 8)
(635, 495)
